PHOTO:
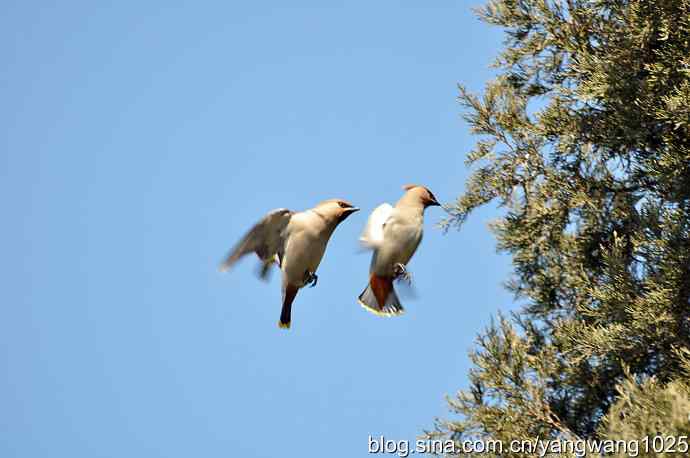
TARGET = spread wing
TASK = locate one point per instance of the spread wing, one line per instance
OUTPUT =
(372, 236)
(266, 239)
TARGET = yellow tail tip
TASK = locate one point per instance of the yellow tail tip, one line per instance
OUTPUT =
(282, 325)
(379, 312)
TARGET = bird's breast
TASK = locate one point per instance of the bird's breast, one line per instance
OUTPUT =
(304, 252)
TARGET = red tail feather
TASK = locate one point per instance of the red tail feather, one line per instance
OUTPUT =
(381, 286)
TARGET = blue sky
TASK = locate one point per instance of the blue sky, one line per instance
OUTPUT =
(140, 140)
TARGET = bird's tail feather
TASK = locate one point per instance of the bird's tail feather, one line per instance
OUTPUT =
(379, 297)
(285, 313)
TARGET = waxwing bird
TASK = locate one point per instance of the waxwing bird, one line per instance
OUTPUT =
(296, 241)
(393, 233)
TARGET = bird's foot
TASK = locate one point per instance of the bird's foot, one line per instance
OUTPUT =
(400, 272)
(310, 278)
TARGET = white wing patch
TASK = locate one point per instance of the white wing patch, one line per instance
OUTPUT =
(372, 237)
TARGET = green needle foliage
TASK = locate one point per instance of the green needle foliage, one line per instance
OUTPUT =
(584, 141)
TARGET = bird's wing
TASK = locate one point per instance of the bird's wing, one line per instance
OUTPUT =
(266, 239)
(372, 236)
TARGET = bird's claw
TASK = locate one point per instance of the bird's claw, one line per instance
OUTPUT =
(400, 273)
(310, 278)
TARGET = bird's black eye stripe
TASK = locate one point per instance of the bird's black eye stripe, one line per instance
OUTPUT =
(343, 205)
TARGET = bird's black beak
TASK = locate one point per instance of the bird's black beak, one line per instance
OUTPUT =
(434, 203)
(347, 212)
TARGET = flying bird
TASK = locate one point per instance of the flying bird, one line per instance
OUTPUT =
(393, 233)
(296, 242)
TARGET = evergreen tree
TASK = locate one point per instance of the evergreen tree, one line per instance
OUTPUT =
(584, 141)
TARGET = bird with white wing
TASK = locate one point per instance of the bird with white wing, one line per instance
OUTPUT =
(393, 233)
